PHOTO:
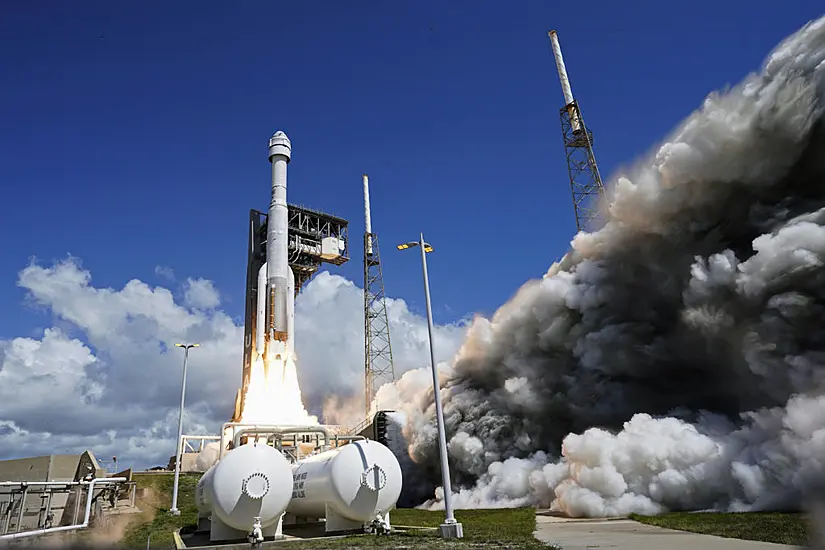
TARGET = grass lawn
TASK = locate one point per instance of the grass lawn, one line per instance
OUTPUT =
(782, 528)
(157, 522)
(510, 528)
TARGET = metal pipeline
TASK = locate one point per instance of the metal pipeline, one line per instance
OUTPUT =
(348, 438)
(280, 431)
(267, 429)
(41, 483)
(315, 250)
(86, 518)
(321, 431)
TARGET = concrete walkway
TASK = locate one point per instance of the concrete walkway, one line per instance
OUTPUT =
(626, 534)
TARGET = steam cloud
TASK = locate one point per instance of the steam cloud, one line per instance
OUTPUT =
(689, 330)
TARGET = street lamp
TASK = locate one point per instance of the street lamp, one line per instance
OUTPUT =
(174, 510)
(450, 529)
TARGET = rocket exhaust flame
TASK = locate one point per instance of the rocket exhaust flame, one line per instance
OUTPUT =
(273, 395)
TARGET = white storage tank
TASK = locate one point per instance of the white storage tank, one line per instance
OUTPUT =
(350, 486)
(202, 500)
(252, 481)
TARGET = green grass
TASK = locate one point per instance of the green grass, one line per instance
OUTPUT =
(509, 528)
(506, 528)
(505, 524)
(157, 521)
(781, 528)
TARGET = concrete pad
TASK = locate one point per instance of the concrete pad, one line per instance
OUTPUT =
(626, 534)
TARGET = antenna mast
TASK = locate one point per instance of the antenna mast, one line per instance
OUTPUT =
(378, 365)
(585, 180)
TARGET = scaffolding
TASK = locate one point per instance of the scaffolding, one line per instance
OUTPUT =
(378, 363)
(585, 181)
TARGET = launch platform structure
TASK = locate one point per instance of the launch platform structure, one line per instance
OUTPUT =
(313, 238)
(585, 181)
(378, 363)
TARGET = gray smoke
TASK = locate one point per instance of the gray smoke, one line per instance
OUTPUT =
(674, 359)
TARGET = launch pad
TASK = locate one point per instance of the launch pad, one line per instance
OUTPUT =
(345, 481)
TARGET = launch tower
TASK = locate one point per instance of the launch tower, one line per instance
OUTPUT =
(378, 365)
(313, 238)
(585, 180)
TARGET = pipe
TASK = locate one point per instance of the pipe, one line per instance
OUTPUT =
(86, 518)
(202, 439)
(48, 510)
(565, 81)
(7, 511)
(236, 440)
(279, 431)
(22, 507)
(348, 438)
(41, 483)
(314, 250)
(307, 429)
(76, 515)
(367, 219)
(269, 429)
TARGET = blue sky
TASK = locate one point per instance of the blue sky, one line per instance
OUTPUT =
(147, 146)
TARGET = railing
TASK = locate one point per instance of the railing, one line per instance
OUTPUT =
(197, 443)
(358, 428)
(90, 496)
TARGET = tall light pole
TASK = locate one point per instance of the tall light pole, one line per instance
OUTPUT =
(186, 347)
(450, 529)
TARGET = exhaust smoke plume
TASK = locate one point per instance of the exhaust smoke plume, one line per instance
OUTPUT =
(674, 359)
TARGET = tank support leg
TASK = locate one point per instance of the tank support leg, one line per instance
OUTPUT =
(337, 523)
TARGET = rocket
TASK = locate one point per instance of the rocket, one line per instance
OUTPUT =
(274, 336)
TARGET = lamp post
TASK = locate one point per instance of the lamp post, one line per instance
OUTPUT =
(174, 510)
(450, 529)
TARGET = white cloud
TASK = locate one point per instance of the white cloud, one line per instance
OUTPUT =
(329, 339)
(109, 378)
(200, 294)
(165, 272)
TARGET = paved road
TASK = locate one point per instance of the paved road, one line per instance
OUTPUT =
(625, 534)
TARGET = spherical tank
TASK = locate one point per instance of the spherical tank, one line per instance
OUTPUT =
(254, 480)
(357, 481)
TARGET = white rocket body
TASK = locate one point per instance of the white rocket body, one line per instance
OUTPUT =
(278, 274)
(260, 325)
(260, 312)
(290, 312)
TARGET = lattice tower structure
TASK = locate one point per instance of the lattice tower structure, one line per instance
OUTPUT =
(585, 180)
(378, 362)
